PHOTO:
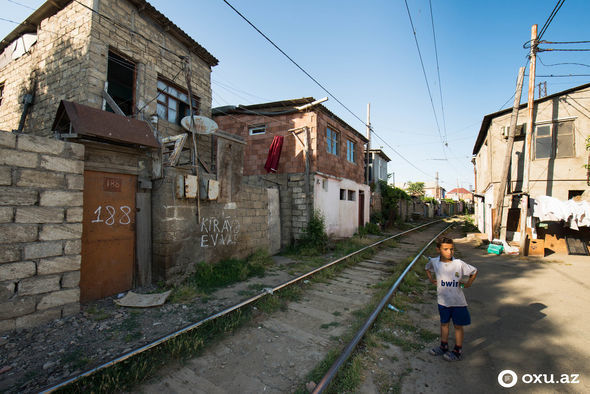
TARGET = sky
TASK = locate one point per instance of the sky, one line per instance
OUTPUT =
(365, 52)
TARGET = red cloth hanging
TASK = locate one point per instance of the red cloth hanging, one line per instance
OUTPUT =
(274, 154)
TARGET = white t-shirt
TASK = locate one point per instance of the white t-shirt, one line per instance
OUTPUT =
(448, 276)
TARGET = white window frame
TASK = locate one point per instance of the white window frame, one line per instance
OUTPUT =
(258, 129)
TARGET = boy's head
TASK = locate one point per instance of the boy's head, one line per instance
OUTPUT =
(446, 248)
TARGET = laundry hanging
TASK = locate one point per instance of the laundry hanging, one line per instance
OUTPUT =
(274, 154)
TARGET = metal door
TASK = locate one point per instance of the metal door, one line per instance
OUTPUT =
(108, 234)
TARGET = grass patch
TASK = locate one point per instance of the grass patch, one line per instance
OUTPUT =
(97, 314)
(325, 326)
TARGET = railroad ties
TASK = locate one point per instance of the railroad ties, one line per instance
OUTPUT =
(275, 353)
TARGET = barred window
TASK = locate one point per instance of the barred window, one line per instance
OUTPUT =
(173, 104)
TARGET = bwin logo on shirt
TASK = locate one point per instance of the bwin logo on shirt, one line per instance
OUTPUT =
(449, 284)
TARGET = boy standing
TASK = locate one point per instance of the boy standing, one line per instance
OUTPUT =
(451, 301)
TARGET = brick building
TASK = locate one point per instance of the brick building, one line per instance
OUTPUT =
(111, 192)
(321, 165)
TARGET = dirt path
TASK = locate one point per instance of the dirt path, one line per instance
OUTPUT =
(528, 316)
(275, 354)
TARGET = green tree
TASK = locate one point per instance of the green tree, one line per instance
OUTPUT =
(415, 188)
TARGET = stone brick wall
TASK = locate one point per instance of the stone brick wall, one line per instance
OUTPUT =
(70, 61)
(58, 64)
(41, 184)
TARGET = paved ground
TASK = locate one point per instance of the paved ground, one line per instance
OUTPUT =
(530, 316)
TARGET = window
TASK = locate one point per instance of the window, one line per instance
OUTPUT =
(543, 142)
(1, 91)
(351, 195)
(574, 193)
(257, 129)
(554, 140)
(350, 151)
(173, 102)
(121, 83)
(332, 140)
(565, 139)
(343, 194)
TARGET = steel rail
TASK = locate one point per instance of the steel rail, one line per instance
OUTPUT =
(329, 376)
(224, 312)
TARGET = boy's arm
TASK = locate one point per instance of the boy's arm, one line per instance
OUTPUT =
(429, 274)
(471, 279)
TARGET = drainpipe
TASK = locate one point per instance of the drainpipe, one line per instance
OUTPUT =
(27, 101)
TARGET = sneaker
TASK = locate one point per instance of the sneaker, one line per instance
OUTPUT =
(438, 351)
(452, 356)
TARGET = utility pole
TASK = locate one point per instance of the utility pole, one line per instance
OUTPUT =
(436, 195)
(529, 136)
(504, 177)
(368, 144)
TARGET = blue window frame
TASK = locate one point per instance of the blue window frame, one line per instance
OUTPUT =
(350, 151)
(332, 141)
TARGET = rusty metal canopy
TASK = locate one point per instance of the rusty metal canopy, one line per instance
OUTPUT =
(94, 122)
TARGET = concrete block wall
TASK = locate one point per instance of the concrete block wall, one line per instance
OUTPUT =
(281, 182)
(41, 186)
(224, 230)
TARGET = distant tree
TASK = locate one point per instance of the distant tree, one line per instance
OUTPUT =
(415, 188)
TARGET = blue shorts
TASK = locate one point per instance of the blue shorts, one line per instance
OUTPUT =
(459, 314)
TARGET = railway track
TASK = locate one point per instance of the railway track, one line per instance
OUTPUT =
(274, 353)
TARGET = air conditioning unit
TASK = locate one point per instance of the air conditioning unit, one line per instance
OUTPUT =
(520, 130)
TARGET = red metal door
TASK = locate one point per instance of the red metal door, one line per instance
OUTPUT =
(108, 234)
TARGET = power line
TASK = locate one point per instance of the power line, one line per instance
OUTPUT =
(294, 62)
(442, 108)
(8, 20)
(22, 5)
(425, 77)
(325, 89)
(562, 64)
(550, 18)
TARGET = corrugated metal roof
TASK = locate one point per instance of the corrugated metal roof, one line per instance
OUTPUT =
(485, 123)
(52, 7)
(100, 124)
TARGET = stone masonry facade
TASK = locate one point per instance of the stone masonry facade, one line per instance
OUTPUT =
(41, 186)
(69, 61)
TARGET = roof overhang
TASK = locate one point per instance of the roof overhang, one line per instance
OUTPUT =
(103, 125)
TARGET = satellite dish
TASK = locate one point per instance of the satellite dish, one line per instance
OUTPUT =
(202, 124)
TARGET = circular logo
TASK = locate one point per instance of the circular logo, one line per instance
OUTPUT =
(507, 378)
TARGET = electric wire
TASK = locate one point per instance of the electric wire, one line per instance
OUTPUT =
(294, 62)
(9, 20)
(442, 108)
(550, 19)
(425, 77)
(562, 64)
(325, 89)
(22, 5)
